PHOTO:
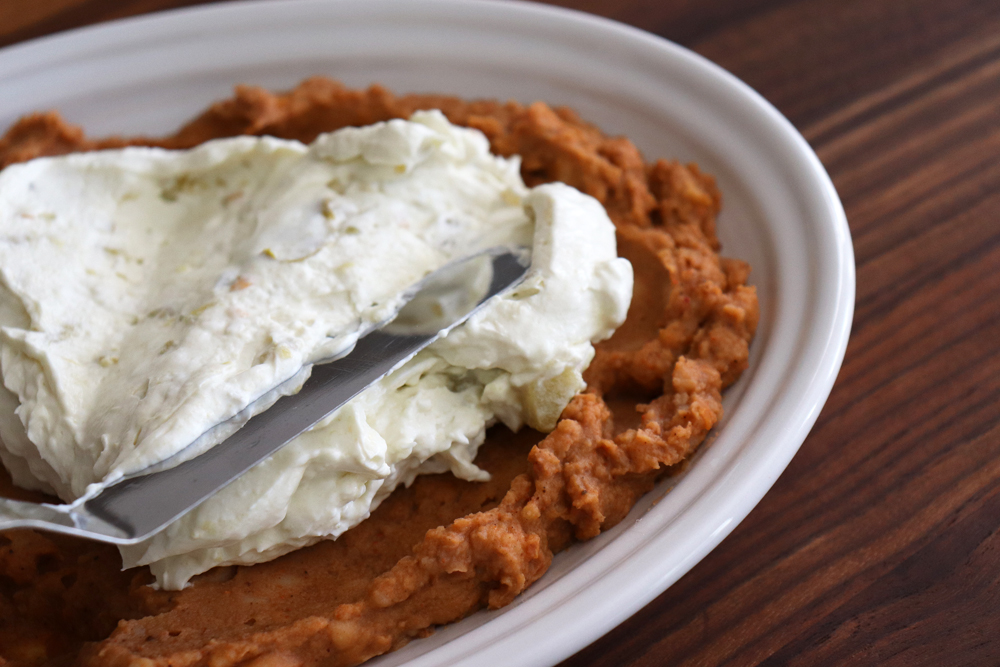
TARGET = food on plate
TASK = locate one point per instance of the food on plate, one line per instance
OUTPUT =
(444, 547)
(150, 295)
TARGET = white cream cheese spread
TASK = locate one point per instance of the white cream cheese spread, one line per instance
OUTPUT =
(148, 295)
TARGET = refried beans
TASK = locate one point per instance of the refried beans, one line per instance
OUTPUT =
(443, 548)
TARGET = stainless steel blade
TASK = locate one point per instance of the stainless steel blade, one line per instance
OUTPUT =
(140, 505)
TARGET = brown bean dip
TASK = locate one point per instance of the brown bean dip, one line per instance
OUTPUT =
(443, 548)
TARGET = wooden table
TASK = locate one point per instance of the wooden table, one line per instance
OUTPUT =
(879, 545)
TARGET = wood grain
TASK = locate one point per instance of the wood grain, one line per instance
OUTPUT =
(879, 545)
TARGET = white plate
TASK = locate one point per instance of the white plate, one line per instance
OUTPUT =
(781, 214)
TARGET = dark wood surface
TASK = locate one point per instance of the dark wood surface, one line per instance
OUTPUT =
(879, 544)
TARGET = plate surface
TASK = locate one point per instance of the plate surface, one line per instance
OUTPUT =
(781, 214)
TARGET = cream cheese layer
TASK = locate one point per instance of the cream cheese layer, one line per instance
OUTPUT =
(147, 296)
